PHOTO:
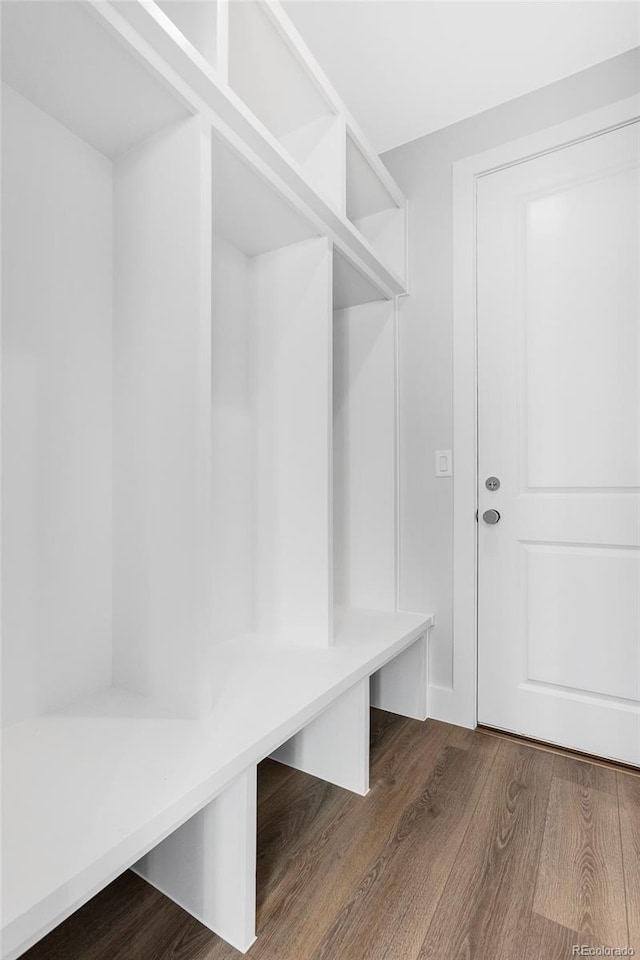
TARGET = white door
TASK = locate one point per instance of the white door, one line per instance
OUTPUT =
(559, 426)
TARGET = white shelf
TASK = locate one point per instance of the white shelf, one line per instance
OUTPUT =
(350, 286)
(87, 791)
(366, 193)
(247, 211)
(305, 159)
(59, 56)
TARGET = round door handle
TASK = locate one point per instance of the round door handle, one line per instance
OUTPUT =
(491, 516)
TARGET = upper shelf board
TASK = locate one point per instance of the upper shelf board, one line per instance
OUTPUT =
(350, 286)
(247, 211)
(89, 790)
(62, 59)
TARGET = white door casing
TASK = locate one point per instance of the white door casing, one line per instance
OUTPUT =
(558, 266)
(457, 703)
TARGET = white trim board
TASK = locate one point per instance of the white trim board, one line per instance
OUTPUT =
(458, 703)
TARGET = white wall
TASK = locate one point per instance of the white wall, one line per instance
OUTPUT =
(423, 170)
(56, 413)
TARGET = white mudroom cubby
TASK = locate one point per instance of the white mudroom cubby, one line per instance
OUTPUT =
(271, 431)
(199, 450)
(103, 337)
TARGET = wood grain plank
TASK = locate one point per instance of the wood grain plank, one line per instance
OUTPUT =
(580, 880)
(271, 776)
(383, 728)
(419, 900)
(585, 774)
(299, 808)
(551, 941)
(330, 869)
(129, 918)
(402, 884)
(629, 807)
(304, 812)
(485, 907)
(295, 814)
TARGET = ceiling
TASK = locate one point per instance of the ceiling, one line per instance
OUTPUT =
(408, 67)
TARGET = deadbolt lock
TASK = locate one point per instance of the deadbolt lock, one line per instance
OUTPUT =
(492, 483)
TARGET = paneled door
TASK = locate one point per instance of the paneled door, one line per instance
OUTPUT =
(558, 282)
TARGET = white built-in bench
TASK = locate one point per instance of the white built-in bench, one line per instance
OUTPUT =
(110, 783)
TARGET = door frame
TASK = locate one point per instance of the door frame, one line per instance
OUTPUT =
(461, 702)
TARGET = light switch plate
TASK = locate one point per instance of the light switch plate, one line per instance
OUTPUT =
(443, 463)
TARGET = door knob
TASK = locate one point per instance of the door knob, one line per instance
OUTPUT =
(491, 516)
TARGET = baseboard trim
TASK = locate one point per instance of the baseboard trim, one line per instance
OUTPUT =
(445, 704)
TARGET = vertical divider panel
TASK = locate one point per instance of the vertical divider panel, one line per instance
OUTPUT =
(318, 147)
(401, 685)
(208, 865)
(365, 452)
(162, 409)
(335, 746)
(292, 369)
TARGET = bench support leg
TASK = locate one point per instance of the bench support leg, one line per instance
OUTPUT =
(208, 865)
(401, 685)
(335, 746)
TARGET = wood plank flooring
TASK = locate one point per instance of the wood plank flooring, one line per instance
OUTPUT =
(580, 883)
(467, 846)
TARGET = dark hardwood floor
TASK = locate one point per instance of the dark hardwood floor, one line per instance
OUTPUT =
(467, 847)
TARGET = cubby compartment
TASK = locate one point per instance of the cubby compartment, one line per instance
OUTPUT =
(364, 456)
(275, 82)
(103, 333)
(377, 212)
(271, 431)
(198, 22)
